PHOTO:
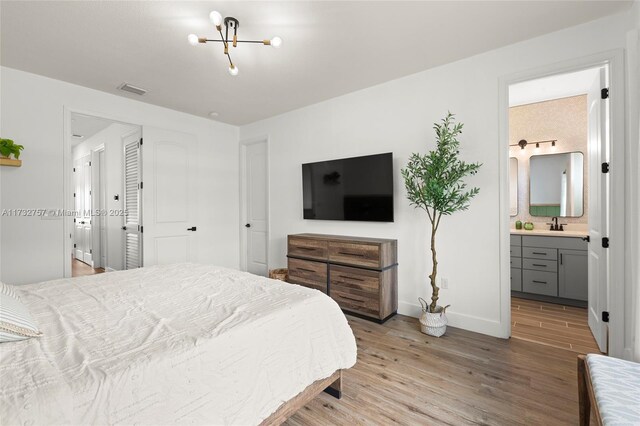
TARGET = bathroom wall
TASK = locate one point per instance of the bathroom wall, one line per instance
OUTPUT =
(562, 119)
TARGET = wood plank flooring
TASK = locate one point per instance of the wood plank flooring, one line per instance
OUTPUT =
(79, 269)
(405, 377)
(560, 326)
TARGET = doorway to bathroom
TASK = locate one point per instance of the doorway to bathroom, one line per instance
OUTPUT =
(559, 187)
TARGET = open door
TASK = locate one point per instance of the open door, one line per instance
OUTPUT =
(82, 243)
(598, 145)
(169, 171)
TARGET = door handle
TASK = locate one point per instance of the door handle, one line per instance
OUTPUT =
(124, 228)
(248, 225)
(193, 228)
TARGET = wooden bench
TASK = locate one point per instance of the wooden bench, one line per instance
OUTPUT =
(609, 386)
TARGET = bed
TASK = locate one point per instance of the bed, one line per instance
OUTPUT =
(177, 344)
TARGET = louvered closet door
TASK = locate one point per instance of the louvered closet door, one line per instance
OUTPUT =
(132, 203)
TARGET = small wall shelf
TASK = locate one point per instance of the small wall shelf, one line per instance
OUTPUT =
(10, 162)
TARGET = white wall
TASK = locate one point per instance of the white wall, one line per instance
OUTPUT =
(398, 116)
(111, 139)
(32, 107)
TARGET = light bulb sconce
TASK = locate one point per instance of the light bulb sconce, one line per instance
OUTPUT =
(522, 143)
(231, 26)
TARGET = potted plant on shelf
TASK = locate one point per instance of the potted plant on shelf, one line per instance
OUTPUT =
(9, 147)
(435, 183)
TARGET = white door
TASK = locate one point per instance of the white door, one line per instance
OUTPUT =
(169, 175)
(598, 140)
(256, 209)
(83, 249)
(132, 202)
(102, 207)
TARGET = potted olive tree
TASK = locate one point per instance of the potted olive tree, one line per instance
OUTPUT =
(435, 183)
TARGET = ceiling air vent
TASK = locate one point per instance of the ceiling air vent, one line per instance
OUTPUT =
(132, 89)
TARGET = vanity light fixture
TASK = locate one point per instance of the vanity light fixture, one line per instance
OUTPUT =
(522, 143)
(230, 25)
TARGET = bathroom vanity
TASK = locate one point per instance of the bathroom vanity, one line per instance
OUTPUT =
(549, 266)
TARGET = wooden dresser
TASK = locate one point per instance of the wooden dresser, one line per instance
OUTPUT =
(360, 274)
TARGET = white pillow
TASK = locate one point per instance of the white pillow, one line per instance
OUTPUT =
(16, 323)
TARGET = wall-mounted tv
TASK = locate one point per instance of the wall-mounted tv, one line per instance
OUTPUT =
(358, 189)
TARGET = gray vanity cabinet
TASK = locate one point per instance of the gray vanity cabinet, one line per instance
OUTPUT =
(573, 275)
(554, 268)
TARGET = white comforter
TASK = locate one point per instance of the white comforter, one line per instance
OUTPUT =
(179, 344)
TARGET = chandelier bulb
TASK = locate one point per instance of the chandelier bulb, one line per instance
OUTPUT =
(193, 39)
(233, 70)
(216, 18)
(276, 42)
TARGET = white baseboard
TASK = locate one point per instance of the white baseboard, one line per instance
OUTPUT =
(466, 322)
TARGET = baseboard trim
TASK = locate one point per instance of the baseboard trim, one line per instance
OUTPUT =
(458, 320)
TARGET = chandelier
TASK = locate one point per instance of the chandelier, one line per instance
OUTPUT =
(230, 26)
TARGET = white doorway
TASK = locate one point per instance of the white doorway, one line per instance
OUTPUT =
(605, 283)
(254, 199)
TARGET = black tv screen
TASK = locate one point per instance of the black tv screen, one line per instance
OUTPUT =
(359, 188)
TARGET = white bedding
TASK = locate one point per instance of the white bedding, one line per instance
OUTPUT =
(179, 344)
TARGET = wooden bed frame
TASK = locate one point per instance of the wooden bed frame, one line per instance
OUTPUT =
(585, 394)
(332, 385)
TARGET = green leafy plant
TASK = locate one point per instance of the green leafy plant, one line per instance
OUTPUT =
(435, 183)
(9, 147)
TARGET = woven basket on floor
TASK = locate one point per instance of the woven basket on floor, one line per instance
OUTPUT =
(281, 274)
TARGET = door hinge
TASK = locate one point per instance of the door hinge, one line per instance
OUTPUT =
(605, 242)
(604, 93)
(74, 195)
(74, 169)
(141, 185)
(140, 141)
(75, 245)
(605, 167)
(605, 316)
(90, 251)
(141, 229)
(89, 163)
(89, 192)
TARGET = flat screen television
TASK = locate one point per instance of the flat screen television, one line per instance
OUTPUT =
(355, 189)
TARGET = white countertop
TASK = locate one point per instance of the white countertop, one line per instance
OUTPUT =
(545, 232)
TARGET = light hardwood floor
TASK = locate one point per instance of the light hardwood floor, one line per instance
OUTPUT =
(405, 377)
(79, 269)
(560, 326)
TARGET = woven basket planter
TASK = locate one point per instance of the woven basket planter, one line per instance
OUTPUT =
(281, 274)
(432, 324)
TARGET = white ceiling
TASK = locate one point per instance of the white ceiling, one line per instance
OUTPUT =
(86, 126)
(554, 87)
(330, 47)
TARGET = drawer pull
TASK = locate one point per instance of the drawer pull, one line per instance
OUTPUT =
(350, 298)
(350, 278)
(305, 270)
(307, 248)
(541, 254)
(537, 264)
(346, 253)
(539, 282)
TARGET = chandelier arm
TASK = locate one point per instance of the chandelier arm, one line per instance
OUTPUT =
(237, 41)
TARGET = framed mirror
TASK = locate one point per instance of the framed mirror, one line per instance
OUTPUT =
(513, 186)
(556, 185)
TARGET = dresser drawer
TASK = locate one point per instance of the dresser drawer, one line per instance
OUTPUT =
(516, 240)
(516, 251)
(516, 279)
(307, 247)
(353, 280)
(358, 303)
(540, 253)
(540, 265)
(538, 282)
(358, 254)
(516, 262)
(308, 273)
